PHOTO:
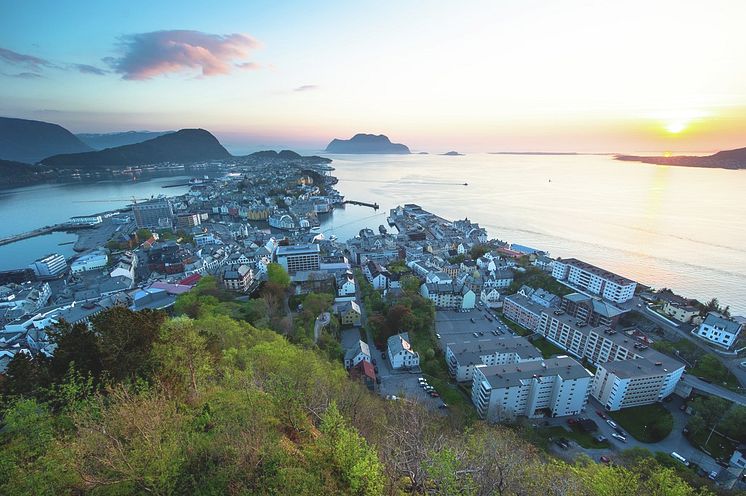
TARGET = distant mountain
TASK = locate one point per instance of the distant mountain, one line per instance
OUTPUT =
(184, 146)
(30, 141)
(453, 154)
(111, 140)
(288, 155)
(726, 159)
(18, 173)
(366, 143)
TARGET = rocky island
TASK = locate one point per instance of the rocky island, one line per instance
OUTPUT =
(726, 159)
(367, 143)
(453, 154)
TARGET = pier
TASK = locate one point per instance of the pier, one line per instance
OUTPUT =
(374, 206)
(29, 234)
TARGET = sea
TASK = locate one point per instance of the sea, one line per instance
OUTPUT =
(682, 228)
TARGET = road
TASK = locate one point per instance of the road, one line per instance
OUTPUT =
(321, 322)
(714, 390)
(674, 442)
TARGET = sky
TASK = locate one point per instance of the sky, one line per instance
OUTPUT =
(492, 75)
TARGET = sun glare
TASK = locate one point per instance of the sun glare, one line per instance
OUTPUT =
(676, 127)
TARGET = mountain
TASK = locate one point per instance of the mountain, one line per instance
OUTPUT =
(184, 146)
(366, 143)
(453, 154)
(111, 140)
(726, 159)
(18, 173)
(284, 154)
(30, 141)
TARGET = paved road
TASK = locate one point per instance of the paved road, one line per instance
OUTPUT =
(714, 390)
(674, 442)
(321, 322)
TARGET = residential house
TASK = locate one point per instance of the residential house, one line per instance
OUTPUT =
(358, 353)
(400, 352)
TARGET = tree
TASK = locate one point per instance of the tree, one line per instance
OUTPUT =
(410, 284)
(125, 340)
(478, 251)
(25, 376)
(76, 345)
(277, 274)
(182, 354)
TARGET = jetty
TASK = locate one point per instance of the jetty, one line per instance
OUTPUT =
(374, 206)
(29, 234)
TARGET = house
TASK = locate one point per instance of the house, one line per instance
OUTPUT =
(376, 275)
(720, 330)
(738, 458)
(400, 352)
(358, 353)
(346, 284)
(683, 313)
(364, 371)
(237, 278)
(490, 297)
(349, 313)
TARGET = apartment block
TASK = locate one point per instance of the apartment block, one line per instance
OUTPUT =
(463, 357)
(548, 388)
(600, 282)
(297, 258)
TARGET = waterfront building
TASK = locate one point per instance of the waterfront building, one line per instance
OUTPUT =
(302, 257)
(600, 282)
(154, 214)
(89, 220)
(89, 261)
(555, 387)
(682, 312)
(720, 330)
(50, 266)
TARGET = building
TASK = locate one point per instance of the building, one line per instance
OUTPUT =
(738, 458)
(377, 275)
(592, 311)
(639, 381)
(400, 352)
(296, 258)
(90, 261)
(358, 353)
(346, 284)
(523, 311)
(186, 221)
(462, 357)
(683, 313)
(554, 387)
(90, 220)
(237, 278)
(720, 330)
(597, 281)
(606, 348)
(125, 266)
(50, 266)
(449, 296)
(155, 214)
(364, 371)
(349, 313)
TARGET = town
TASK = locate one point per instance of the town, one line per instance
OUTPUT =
(424, 310)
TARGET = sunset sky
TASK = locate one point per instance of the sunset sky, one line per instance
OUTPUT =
(437, 75)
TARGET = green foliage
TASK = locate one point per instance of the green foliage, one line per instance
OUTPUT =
(478, 251)
(648, 423)
(277, 274)
(143, 234)
(537, 278)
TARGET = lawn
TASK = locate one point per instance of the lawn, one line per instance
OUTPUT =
(718, 447)
(584, 439)
(521, 331)
(647, 424)
(547, 349)
(710, 368)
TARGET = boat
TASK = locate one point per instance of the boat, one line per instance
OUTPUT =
(466, 184)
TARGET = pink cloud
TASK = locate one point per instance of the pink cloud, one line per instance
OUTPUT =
(147, 55)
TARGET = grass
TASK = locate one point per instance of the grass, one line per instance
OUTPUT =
(584, 439)
(647, 423)
(718, 374)
(718, 447)
(547, 349)
(521, 331)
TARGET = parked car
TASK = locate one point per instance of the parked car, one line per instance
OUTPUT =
(620, 431)
(434, 394)
(421, 380)
(472, 320)
(437, 335)
(601, 439)
(605, 459)
(443, 405)
(373, 361)
(601, 414)
(476, 335)
(619, 437)
(611, 423)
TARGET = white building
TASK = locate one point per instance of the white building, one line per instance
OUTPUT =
(125, 266)
(89, 261)
(720, 330)
(50, 266)
(400, 352)
(90, 220)
(299, 258)
(358, 353)
(462, 357)
(378, 276)
(555, 387)
(595, 280)
(636, 382)
(449, 296)
(523, 311)
(346, 284)
(610, 351)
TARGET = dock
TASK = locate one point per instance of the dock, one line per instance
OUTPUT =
(374, 206)
(28, 234)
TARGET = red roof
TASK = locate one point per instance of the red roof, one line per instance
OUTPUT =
(191, 280)
(365, 368)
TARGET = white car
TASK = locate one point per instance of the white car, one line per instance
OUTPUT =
(612, 423)
(618, 437)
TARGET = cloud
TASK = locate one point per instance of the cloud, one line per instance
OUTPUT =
(23, 75)
(306, 87)
(88, 69)
(147, 55)
(15, 58)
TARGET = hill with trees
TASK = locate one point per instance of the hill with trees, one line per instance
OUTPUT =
(366, 143)
(29, 141)
(221, 399)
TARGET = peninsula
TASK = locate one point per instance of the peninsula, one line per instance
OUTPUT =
(367, 143)
(726, 159)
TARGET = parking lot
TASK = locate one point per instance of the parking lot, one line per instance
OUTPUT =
(455, 327)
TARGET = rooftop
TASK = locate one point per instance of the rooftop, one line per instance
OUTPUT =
(597, 271)
(511, 375)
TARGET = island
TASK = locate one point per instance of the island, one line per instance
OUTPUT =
(726, 159)
(367, 143)
(453, 154)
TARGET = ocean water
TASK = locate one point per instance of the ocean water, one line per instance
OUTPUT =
(677, 227)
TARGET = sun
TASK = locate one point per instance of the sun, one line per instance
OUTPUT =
(677, 126)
